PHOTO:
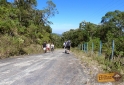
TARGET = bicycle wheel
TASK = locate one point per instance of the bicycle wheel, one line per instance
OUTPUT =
(52, 49)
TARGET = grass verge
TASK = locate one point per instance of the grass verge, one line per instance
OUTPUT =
(103, 65)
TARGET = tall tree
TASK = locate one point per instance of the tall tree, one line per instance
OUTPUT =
(114, 19)
(25, 10)
(49, 11)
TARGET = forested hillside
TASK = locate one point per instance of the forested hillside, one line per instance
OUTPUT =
(23, 28)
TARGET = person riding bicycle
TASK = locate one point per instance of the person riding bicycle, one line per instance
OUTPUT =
(64, 44)
(68, 45)
(44, 46)
(52, 47)
(48, 46)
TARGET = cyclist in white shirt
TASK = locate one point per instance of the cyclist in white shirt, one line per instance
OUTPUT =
(52, 47)
(48, 47)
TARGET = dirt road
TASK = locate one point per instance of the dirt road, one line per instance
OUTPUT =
(55, 68)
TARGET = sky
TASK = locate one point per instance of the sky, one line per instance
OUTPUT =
(72, 12)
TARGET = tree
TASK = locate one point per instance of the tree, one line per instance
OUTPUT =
(115, 19)
(56, 39)
(21, 21)
(49, 12)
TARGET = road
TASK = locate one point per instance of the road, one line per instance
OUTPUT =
(55, 68)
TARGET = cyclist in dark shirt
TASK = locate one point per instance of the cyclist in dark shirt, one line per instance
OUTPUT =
(68, 45)
(44, 47)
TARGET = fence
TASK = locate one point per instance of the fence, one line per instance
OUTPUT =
(92, 47)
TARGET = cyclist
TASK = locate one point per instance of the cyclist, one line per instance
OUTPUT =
(64, 45)
(48, 47)
(68, 45)
(44, 46)
(52, 47)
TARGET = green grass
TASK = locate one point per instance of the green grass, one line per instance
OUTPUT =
(105, 64)
(13, 46)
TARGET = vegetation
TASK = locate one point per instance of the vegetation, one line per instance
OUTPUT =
(111, 28)
(23, 28)
(98, 62)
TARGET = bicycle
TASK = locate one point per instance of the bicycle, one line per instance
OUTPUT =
(52, 49)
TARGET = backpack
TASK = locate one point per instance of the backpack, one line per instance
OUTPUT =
(68, 43)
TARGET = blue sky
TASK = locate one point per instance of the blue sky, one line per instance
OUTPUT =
(72, 12)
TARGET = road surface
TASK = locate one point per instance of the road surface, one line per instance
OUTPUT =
(55, 68)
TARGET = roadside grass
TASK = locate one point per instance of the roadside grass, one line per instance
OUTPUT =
(33, 49)
(86, 58)
(104, 65)
(15, 46)
(12, 52)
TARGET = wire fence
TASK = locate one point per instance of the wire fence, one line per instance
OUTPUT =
(98, 47)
